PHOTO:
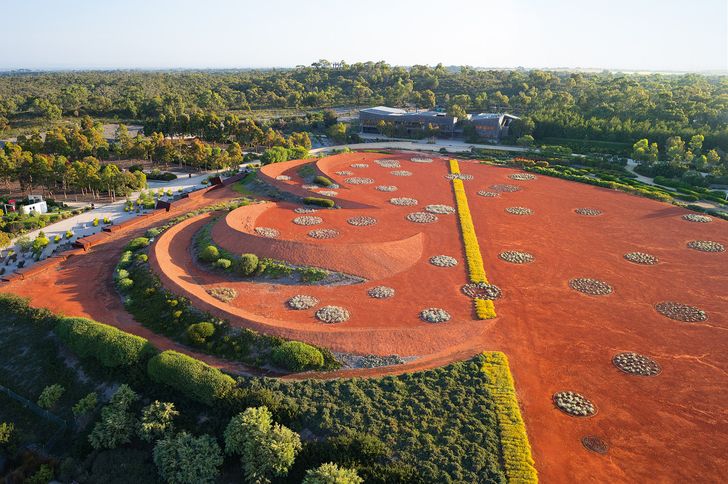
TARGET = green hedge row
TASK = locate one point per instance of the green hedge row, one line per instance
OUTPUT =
(321, 202)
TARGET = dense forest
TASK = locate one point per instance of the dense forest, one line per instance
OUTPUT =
(572, 105)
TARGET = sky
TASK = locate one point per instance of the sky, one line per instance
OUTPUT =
(657, 35)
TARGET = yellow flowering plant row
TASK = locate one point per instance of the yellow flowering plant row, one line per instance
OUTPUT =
(484, 309)
(516, 450)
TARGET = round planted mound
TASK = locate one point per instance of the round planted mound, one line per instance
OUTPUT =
(706, 246)
(304, 210)
(344, 173)
(401, 173)
(386, 188)
(595, 444)
(504, 188)
(283, 177)
(522, 176)
(458, 176)
(516, 257)
(420, 159)
(589, 212)
(323, 234)
(485, 193)
(481, 290)
(361, 221)
(307, 220)
(403, 201)
(267, 232)
(592, 287)
(388, 163)
(681, 312)
(440, 209)
(443, 261)
(421, 217)
(641, 258)
(381, 292)
(359, 165)
(694, 217)
(434, 315)
(332, 314)
(574, 404)
(302, 301)
(357, 180)
(636, 364)
(519, 211)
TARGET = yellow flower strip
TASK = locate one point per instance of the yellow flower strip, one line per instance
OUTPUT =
(515, 448)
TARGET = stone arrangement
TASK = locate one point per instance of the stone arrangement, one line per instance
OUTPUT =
(434, 315)
(574, 404)
(358, 180)
(592, 287)
(458, 176)
(309, 186)
(403, 201)
(481, 290)
(283, 177)
(305, 210)
(302, 301)
(504, 188)
(706, 246)
(519, 211)
(641, 258)
(344, 173)
(323, 234)
(267, 232)
(328, 193)
(590, 212)
(440, 209)
(388, 163)
(421, 217)
(636, 364)
(522, 176)
(694, 217)
(595, 444)
(332, 314)
(361, 221)
(369, 361)
(381, 292)
(443, 261)
(359, 165)
(386, 188)
(307, 220)
(224, 294)
(485, 193)
(420, 159)
(401, 173)
(516, 257)
(681, 312)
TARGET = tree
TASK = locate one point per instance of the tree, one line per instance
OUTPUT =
(50, 396)
(675, 148)
(7, 435)
(338, 132)
(696, 143)
(525, 140)
(458, 112)
(713, 157)
(186, 459)
(267, 450)
(330, 473)
(85, 405)
(117, 423)
(157, 421)
(277, 154)
(4, 240)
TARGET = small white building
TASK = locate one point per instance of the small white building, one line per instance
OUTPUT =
(35, 204)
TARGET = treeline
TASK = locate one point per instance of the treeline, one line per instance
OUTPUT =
(600, 106)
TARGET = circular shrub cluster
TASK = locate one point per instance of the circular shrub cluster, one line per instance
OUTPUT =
(574, 404)
(345, 173)
(481, 290)
(283, 177)
(681, 312)
(522, 176)
(706, 246)
(636, 364)
(361, 221)
(357, 180)
(302, 301)
(485, 193)
(504, 188)
(304, 210)
(458, 176)
(381, 292)
(359, 165)
(641, 258)
(332, 314)
(403, 201)
(443, 261)
(267, 232)
(434, 315)
(323, 234)
(519, 211)
(421, 217)
(386, 188)
(516, 257)
(440, 209)
(590, 212)
(421, 159)
(401, 173)
(388, 163)
(328, 193)
(307, 220)
(694, 217)
(592, 287)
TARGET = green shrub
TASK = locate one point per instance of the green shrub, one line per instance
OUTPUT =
(85, 405)
(95, 222)
(125, 258)
(210, 254)
(321, 202)
(125, 283)
(248, 264)
(151, 233)
(50, 396)
(138, 243)
(111, 346)
(199, 332)
(192, 377)
(298, 356)
(122, 274)
(69, 234)
(323, 181)
(223, 264)
(142, 258)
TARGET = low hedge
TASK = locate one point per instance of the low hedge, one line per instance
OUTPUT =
(323, 181)
(298, 356)
(111, 346)
(194, 378)
(321, 202)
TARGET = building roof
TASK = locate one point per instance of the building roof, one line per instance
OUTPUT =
(384, 110)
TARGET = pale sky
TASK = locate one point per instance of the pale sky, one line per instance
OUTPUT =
(674, 35)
